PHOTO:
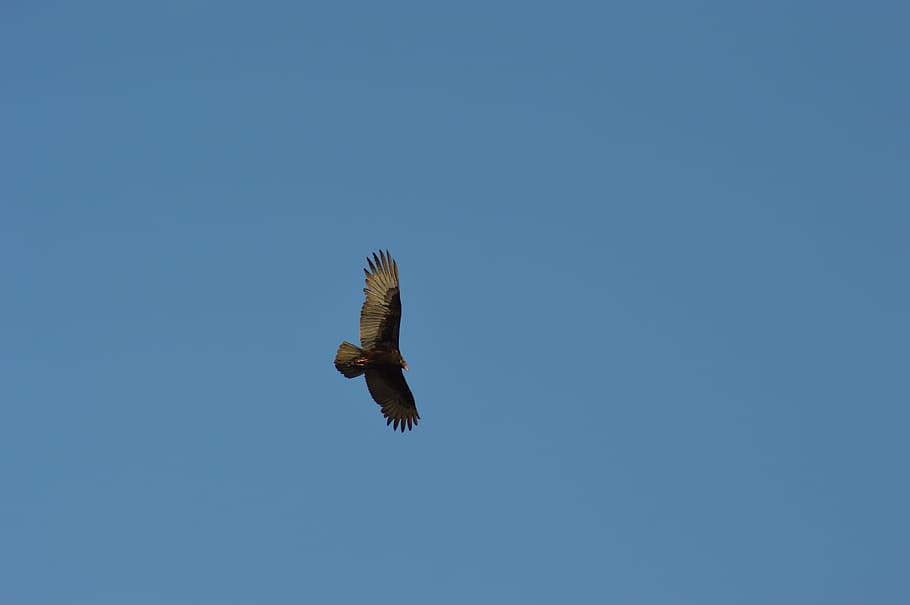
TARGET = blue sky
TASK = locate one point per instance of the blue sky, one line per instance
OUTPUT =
(654, 278)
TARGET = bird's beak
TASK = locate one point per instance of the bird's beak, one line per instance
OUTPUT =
(404, 364)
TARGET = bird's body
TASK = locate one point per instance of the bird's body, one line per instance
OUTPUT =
(378, 357)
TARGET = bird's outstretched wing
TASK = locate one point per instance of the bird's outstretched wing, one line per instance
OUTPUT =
(389, 389)
(380, 316)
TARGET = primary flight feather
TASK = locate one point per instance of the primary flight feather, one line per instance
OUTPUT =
(378, 357)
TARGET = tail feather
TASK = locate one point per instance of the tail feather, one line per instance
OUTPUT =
(344, 360)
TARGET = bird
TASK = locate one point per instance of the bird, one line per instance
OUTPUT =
(378, 358)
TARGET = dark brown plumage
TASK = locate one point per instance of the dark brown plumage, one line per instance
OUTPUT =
(378, 357)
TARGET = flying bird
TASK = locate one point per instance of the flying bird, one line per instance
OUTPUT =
(378, 357)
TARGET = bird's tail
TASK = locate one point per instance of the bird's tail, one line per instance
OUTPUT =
(344, 360)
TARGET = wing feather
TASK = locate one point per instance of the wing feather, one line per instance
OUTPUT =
(380, 316)
(390, 390)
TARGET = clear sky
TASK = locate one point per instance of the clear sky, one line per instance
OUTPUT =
(654, 262)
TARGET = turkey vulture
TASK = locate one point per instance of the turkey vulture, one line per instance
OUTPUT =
(378, 357)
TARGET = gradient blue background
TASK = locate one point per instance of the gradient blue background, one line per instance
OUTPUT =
(654, 260)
